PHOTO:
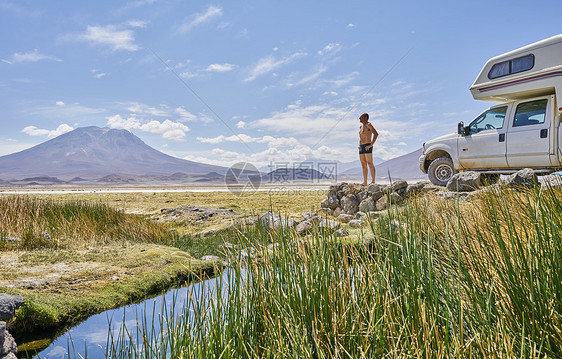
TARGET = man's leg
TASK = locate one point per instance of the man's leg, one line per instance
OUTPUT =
(363, 160)
(369, 160)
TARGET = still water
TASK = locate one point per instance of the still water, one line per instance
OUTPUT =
(91, 335)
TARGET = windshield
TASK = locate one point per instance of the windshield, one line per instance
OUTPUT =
(489, 120)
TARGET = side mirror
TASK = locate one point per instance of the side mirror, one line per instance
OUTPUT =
(460, 128)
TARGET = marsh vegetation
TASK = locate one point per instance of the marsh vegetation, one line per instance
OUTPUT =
(440, 278)
(432, 278)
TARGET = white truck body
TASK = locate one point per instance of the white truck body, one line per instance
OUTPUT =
(521, 131)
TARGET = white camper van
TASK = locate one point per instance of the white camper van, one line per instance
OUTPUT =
(521, 131)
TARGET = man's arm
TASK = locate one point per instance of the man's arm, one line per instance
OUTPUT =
(375, 134)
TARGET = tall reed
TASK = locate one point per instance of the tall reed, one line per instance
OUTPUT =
(441, 278)
(29, 223)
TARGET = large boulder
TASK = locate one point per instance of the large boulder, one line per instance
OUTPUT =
(523, 178)
(8, 305)
(465, 181)
(367, 205)
(350, 204)
(361, 196)
(353, 188)
(332, 202)
(273, 220)
(399, 186)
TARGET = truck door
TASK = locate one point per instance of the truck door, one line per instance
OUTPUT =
(482, 146)
(528, 137)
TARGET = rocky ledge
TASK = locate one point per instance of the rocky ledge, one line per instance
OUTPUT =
(347, 199)
(8, 305)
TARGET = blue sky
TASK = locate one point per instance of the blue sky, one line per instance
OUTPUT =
(260, 81)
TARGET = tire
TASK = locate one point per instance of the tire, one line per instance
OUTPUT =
(440, 171)
(490, 178)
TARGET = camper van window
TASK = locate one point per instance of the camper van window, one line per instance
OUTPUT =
(514, 66)
(489, 120)
(530, 113)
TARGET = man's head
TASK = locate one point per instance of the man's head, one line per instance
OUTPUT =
(364, 117)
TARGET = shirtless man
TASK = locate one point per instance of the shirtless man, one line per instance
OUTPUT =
(367, 137)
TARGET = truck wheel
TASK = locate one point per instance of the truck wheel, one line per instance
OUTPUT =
(440, 171)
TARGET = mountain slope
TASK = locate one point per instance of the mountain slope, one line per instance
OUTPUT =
(96, 152)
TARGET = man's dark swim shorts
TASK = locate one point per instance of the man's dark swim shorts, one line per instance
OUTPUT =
(363, 149)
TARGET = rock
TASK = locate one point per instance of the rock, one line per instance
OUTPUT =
(333, 191)
(551, 181)
(372, 188)
(115, 278)
(377, 195)
(341, 233)
(350, 204)
(324, 211)
(272, 246)
(324, 223)
(414, 189)
(273, 220)
(229, 245)
(381, 203)
(309, 216)
(344, 218)
(465, 181)
(304, 227)
(523, 178)
(360, 215)
(399, 185)
(396, 198)
(361, 196)
(208, 258)
(356, 223)
(331, 202)
(367, 205)
(249, 252)
(337, 212)
(8, 305)
(353, 189)
(8, 347)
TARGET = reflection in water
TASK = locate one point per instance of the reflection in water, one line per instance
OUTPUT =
(91, 336)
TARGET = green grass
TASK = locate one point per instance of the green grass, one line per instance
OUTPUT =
(43, 223)
(440, 279)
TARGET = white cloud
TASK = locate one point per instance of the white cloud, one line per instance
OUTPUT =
(311, 77)
(270, 63)
(59, 103)
(137, 23)
(168, 129)
(212, 12)
(117, 121)
(241, 124)
(110, 36)
(350, 25)
(142, 109)
(331, 48)
(34, 131)
(220, 67)
(30, 56)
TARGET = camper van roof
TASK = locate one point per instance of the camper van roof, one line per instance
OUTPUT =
(532, 70)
